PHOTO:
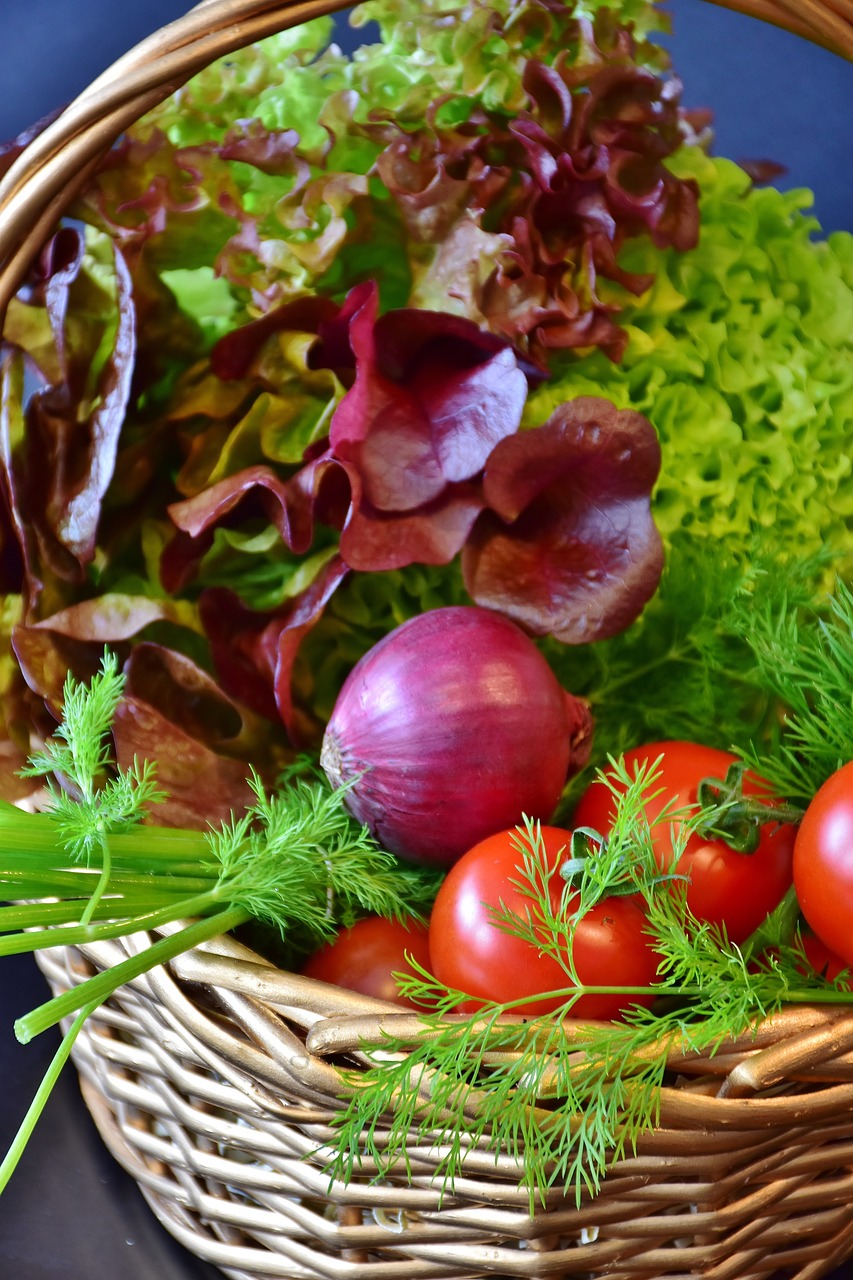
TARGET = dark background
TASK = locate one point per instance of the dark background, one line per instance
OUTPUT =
(70, 1213)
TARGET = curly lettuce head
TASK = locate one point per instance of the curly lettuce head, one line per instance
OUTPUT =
(740, 354)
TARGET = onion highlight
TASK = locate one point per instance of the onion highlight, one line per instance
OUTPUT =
(451, 728)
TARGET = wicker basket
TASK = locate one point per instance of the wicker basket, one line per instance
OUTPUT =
(213, 1084)
(214, 1081)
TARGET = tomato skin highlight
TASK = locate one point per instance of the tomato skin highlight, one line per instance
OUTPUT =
(727, 888)
(365, 957)
(472, 954)
(823, 863)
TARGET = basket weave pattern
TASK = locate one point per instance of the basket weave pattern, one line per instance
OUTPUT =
(214, 1081)
(202, 1084)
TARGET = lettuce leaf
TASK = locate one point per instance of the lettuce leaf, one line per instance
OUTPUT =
(740, 354)
(521, 198)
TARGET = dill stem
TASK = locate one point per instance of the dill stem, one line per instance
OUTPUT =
(71, 935)
(29, 915)
(39, 833)
(36, 1107)
(24, 882)
(99, 987)
(680, 655)
(816, 995)
(101, 887)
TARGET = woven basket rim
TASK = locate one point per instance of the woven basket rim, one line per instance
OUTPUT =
(221, 1030)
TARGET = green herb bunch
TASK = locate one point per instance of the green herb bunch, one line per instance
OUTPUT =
(91, 868)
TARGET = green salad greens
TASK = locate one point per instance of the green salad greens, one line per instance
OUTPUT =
(740, 355)
(500, 241)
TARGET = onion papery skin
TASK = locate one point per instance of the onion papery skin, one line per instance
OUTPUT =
(449, 729)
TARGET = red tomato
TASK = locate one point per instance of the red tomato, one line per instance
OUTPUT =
(821, 959)
(823, 863)
(472, 954)
(725, 887)
(365, 957)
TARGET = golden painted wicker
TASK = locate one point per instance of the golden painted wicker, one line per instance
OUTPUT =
(213, 1082)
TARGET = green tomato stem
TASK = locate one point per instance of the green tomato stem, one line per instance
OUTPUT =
(779, 926)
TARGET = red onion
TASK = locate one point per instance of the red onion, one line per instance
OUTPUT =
(458, 727)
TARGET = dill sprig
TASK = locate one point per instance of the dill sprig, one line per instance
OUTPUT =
(565, 1097)
(298, 856)
(90, 869)
(79, 750)
(806, 663)
(92, 802)
(594, 868)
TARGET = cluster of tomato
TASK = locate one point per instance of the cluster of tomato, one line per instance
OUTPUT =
(466, 949)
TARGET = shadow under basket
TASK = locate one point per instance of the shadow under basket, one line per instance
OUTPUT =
(214, 1082)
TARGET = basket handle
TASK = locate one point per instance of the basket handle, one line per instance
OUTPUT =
(45, 179)
(824, 22)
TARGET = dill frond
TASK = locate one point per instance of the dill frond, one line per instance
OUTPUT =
(562, 1097)
(298, 856)
(805, 658)
(687, 668)
(80, 750)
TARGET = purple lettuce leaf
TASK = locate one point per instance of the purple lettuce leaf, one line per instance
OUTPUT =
(70, 448)
(432, 396)
(555, 191)
(254, 651)
(204, 742)
(568, 546)
(374, 540)
(204, 788)
(234, 354)
(251, 493)
(173, 711)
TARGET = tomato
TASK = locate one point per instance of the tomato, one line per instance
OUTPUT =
(823, 863)
(365, 957)
(472, 954)
(725, 887)
(821, 959)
